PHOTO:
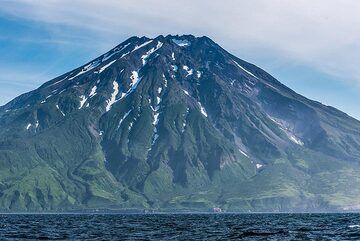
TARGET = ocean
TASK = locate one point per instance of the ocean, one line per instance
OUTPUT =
(180, 226)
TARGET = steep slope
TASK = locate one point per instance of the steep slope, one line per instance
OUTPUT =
(175, 122)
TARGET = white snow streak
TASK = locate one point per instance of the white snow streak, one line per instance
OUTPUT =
(112, 100)
(106, 66)
(57, 107)
(130, 126)
(244, 153)
(296, 140)
(258, 166)
(44, 101)
(165, 81)
(156, 119)
(108, 55)
(184, 124)
(141, 45)
(28, 126)
(156, 136)
(202, 109)
(59, 81)
(93, 92)
(187, 93)
(87, 68)
(123, 118)
(283, 125)
(244, 69)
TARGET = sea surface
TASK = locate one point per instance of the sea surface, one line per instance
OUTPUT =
(180, 227)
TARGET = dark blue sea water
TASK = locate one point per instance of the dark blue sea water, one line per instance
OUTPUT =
(180, 227)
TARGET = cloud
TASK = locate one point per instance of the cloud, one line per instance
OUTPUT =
(16, 82)
(324, 34)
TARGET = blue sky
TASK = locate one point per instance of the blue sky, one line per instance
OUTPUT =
(314, 49)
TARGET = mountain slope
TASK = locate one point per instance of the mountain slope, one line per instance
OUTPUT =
(175, 123)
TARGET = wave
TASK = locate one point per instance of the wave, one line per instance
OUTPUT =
(354, 226)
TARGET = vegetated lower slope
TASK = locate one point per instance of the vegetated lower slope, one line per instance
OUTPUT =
(175, 123)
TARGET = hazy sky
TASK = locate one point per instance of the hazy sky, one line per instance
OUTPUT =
(311, 46)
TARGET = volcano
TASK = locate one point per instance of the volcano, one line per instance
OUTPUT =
(175, 123)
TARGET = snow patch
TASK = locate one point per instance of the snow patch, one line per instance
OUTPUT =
(181, 43)
(198, 74)
(93, 92)
(112, 99)
(258, 166)
(156, 119)
(173, 56)
(28, 126)
(188, 70)
(174, 68)
(134, 78)
(130, 126)
(186, 93)
(150, 52)
(83, 99)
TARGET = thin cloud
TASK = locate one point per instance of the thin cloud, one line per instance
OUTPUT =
(15, 82)
(324, 34)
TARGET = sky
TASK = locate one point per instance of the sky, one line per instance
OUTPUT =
(311, 46)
